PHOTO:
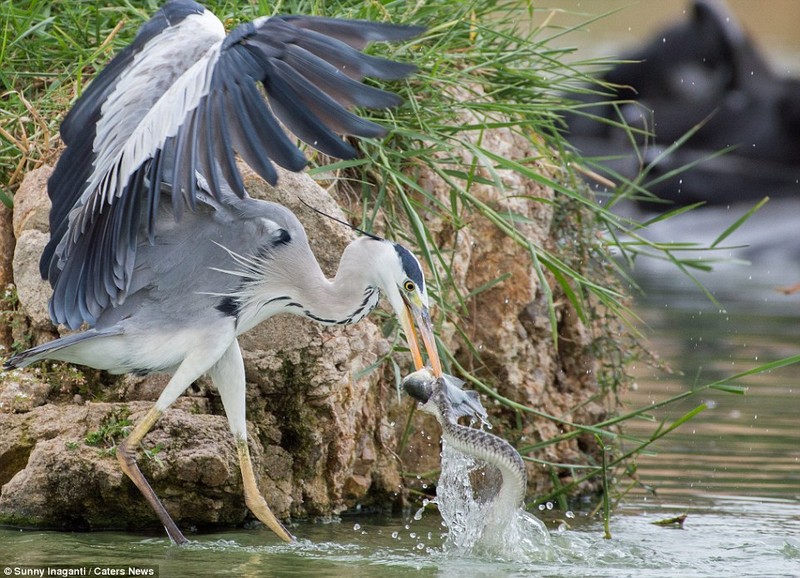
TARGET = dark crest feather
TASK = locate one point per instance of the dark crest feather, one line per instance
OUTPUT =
(340, 221)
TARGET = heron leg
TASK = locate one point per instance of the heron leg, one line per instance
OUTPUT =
(126, 455)
(252, 496)
(228, 376)
(189, 370)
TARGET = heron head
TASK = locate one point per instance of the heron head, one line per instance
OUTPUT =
(404, 286)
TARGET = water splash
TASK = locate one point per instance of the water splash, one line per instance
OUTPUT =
(477, 523)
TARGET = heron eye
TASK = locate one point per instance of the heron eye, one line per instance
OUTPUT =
(409, 286)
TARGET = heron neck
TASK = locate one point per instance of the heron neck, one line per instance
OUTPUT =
(348, 297)
(304, 290)
(345, 304)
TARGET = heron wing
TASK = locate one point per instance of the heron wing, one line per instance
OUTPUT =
(186, 92)
(191, 266)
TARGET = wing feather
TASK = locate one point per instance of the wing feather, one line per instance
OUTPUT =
(329, 112)
(355, 33)
(331, 81)
(224, 154)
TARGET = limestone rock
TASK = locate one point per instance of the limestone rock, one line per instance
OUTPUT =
(52, 477)
(31, 203)
(318, 434)
(33, 291)
(7, 290)
(325, 426)
(6, 246)
(21, 392)
(32, 231)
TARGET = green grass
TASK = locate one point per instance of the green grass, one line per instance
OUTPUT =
(515, 79)
(48, 51)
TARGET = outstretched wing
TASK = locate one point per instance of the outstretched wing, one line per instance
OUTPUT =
(186, 95)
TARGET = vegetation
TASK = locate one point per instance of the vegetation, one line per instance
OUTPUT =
(512, 78)
(113, 429)
(14, 328)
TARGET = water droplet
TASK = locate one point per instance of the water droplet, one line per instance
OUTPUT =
(570, 514)
(357, 527)
(396, 535)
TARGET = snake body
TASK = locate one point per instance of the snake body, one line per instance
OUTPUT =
(447, 402)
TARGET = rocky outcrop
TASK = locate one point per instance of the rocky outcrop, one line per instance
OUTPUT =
(319, 436)
(509, 325)
(328, 430)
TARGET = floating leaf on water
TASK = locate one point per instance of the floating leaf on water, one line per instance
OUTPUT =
(676, 521)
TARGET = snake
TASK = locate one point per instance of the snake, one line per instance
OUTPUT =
(444, 398)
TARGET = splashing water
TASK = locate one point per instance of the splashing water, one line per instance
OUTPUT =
(481, 526)
(485, 526)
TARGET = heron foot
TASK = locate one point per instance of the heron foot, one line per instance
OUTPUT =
(253, 498)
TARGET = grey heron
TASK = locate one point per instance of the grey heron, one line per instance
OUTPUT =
(155, 244)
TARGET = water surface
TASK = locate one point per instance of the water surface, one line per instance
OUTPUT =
(734, 471)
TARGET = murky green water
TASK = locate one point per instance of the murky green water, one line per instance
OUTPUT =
(722, 535)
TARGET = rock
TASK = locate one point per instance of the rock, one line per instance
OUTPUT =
(6, 246)
(32, 231)
(325, 428)
(33, 291)
(31, 203)
(7, 291)
(21, 392)
(53, 478)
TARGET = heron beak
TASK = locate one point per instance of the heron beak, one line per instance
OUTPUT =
(415, 316)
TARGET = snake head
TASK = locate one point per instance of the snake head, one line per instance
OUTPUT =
(450, 401)
(419, 384)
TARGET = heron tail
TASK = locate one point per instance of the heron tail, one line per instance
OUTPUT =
(55, 349)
